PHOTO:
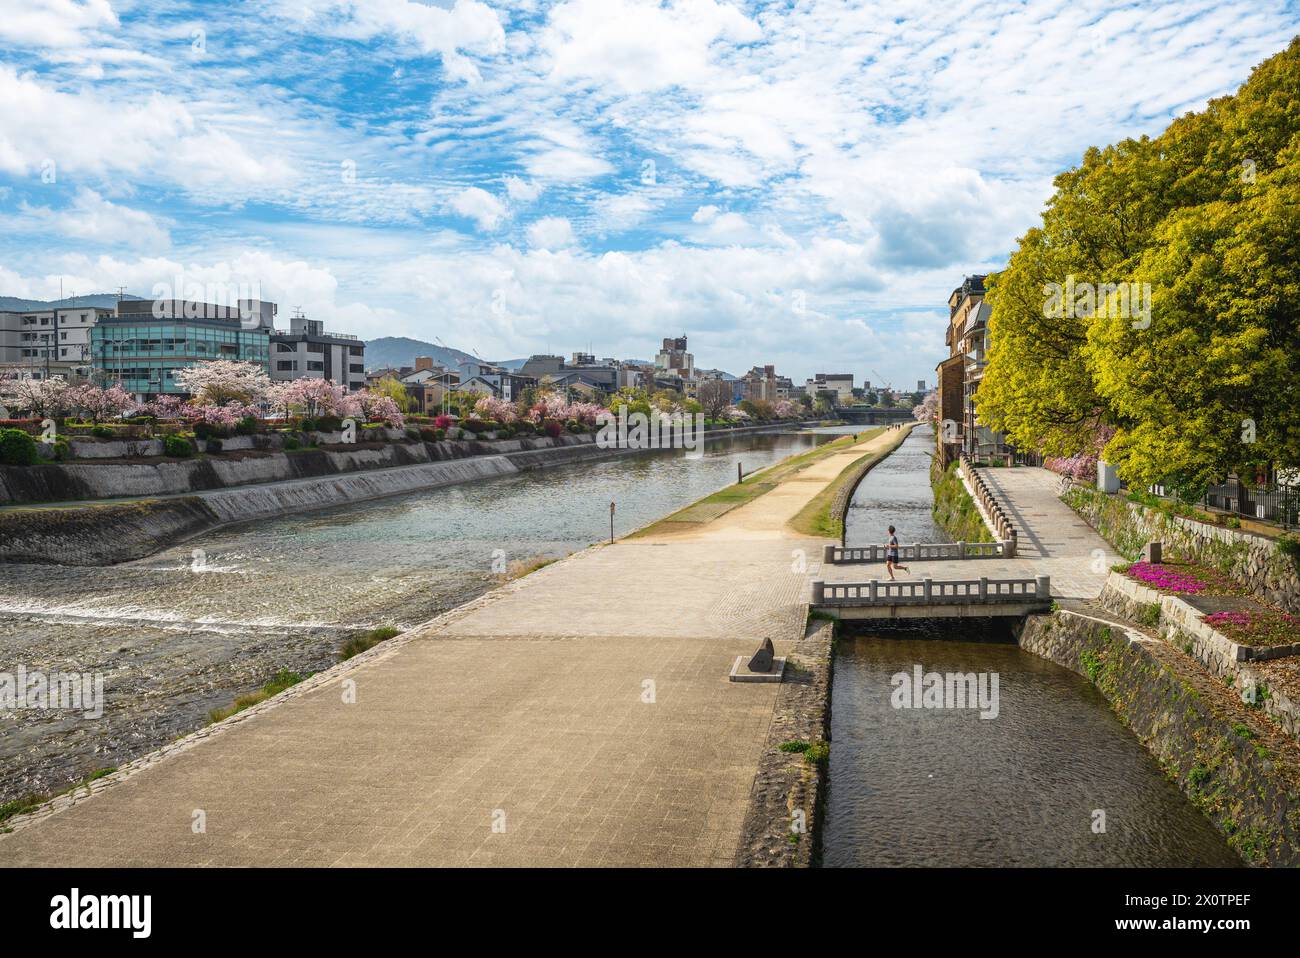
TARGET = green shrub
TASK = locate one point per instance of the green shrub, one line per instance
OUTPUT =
(368, 640)
(247, 426)
(177, 446)
(17, 448)
(101, 432)
(291, 443)
(412, 432)
(329, 424)
(213, 445)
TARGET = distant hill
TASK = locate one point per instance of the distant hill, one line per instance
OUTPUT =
(101, 300)
(398, 351)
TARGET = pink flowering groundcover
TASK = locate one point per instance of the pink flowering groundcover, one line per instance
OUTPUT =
(1261, 627)
(1183, 578)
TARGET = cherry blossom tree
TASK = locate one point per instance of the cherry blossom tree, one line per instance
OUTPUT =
(37, 397)
(220, 381)
(927, 410)
(98, 403)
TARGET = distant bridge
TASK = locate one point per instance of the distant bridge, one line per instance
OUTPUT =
(873, 415)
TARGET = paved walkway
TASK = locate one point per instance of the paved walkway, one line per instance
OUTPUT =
(584, 711)
(1052, 541)
(579, 716)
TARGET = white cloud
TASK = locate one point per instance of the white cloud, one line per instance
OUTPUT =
(551, 232)
(522, 191)
(53, 23)
(468, 29)
(480, 206)
(156, 137)
(91, 218)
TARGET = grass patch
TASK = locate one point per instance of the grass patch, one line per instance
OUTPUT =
(815, 518)
(282, 680)
(522, 567)
(954, 509)
(724, 500)
(368, 640)
(33, 801)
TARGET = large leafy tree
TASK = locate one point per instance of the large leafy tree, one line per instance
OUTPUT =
(1207, 214)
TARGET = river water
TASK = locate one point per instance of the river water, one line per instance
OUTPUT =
(189, 629)
(945, 787)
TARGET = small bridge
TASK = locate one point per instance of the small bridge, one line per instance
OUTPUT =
(932, 598)
(1042, 551)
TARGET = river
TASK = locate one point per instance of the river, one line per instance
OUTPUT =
(945, 787)
(189, 629)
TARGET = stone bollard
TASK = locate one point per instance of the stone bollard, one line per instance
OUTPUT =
(828, 554)
(1044, 588)
(961, 550)
(818, 592)
(1011, 543)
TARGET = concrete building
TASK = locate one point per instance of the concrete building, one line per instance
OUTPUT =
(674, 360)
(307, 351)
(145, 342)
(967, 338)
(841, 384)
(759, 384)
(51, 342)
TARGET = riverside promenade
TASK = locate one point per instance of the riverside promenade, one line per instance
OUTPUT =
(580, 715)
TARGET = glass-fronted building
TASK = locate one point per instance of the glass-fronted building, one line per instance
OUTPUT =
(144, 345)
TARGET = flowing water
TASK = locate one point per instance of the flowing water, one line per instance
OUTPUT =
(945, 787)
(188, 629)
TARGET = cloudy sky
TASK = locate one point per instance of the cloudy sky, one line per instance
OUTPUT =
(796, 183)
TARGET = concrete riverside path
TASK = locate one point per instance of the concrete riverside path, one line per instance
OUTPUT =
(580, 715)
(1052, 541)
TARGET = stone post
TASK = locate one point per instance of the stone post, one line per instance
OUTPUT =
(1044, 589)
(818, 592)
(928, 583)
(984, 588)
(961, 550)
(873, 586)
(828, 554)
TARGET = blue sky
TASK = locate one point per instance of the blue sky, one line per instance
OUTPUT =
(794, 183)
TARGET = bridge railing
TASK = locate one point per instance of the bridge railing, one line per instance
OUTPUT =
(981, 591)
(992, 508)
(917, 552)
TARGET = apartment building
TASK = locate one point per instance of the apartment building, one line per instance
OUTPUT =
(841, 384)
(306, 350)
(967, 338)
(49, 342)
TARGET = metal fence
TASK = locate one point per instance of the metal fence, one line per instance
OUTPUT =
(1280, 504)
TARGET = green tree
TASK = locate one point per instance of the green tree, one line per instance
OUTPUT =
(1205, 217)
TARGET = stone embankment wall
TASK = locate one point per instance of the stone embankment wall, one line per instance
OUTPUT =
(783, 824)
(1182, 626)
(107, 533)
(169, 477)
(1257, 561)
(1230, 760)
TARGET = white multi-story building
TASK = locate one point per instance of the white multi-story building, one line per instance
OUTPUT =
(49, 342)
(839, 383)
(308, 351)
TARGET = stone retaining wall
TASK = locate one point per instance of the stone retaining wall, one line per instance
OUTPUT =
(108, 533)
(789, 791)
(1256, 561)
(1229, 760)
(1183, 626)
(105, 480)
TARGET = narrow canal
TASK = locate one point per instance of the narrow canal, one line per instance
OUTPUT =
(947, 787)
(187, 630)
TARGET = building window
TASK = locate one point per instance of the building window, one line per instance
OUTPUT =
(315, 367)
(287, 366)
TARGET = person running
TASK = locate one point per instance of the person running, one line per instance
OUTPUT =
(891, 555)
